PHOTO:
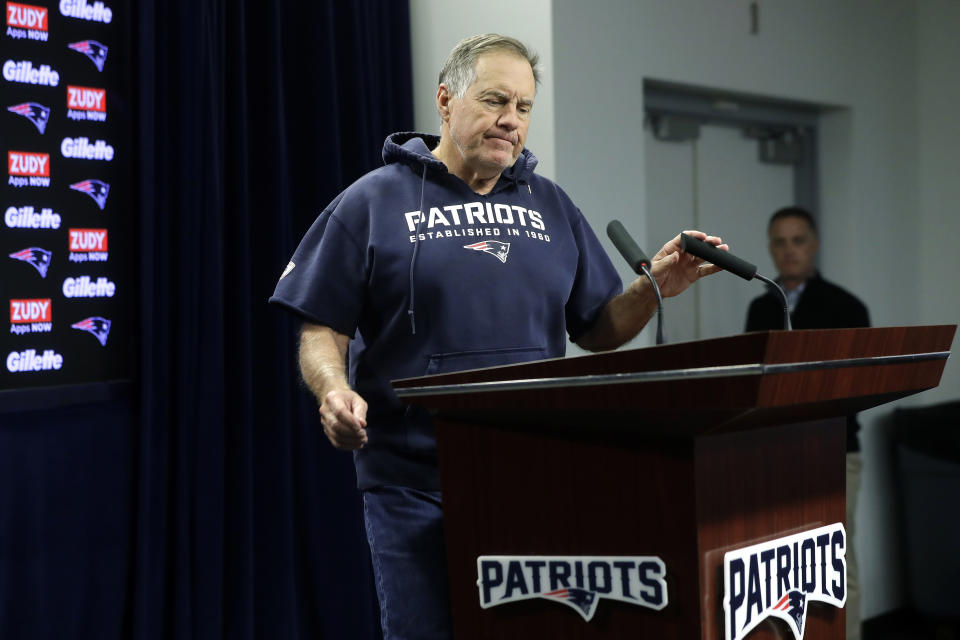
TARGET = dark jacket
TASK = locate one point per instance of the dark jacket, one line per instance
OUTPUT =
(822, 305)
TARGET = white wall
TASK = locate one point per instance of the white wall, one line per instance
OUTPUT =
(938, 251)
(848, 54)
(437, 25)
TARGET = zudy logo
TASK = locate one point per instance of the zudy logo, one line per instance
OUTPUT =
(88, 245)
(28, 169)
(27, 22)
(31, 316)
(86, 103)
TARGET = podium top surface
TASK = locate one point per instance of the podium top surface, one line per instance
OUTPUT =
(769, 376)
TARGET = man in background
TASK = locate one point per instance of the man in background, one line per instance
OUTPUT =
(814, 303)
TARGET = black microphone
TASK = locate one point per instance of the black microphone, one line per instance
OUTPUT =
(729, 262)
(723, 259)
(638, 262)
(626, 246)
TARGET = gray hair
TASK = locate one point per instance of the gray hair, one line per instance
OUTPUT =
(460, 69)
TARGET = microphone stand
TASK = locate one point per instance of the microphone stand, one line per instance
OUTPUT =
(787, 325)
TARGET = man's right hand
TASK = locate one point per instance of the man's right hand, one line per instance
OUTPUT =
(344, 417)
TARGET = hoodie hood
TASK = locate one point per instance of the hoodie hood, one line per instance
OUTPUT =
(413, 149)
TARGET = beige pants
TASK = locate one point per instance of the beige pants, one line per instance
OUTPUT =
(854, 464)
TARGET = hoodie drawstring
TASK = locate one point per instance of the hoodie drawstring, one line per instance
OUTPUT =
(416, 247)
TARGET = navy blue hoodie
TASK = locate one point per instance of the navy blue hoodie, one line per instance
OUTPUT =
(428, 276)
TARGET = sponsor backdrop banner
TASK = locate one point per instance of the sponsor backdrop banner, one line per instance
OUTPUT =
(65, 259)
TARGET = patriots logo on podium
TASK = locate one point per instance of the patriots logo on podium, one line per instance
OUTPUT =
(39, 258)
(96, 189)
(94, 50)
(792, 608)
(585, 602)
(96, 326)
(580, 582)
(35, 112)
(779, 578)
(498, 250)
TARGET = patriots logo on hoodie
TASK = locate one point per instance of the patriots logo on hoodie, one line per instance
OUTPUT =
(36, 113)
(96, 189)
(94, 50)
(39, 258)
(498, 250)
(96, 326)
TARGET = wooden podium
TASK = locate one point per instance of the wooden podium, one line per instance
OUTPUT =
(682, 451)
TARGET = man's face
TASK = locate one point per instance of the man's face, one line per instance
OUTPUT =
(489, 123)
(793, 247)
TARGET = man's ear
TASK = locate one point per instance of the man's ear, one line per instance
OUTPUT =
(443, 102)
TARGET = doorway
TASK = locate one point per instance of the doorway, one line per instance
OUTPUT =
(723, 163)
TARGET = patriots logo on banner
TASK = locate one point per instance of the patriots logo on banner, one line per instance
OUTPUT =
(36, 113)
(779, 578)
(580, 582)
(94, 50)
(39, 258)
(498, 250)
(96, 189)
(96, 326)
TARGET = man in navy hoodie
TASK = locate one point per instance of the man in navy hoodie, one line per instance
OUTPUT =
(454, 255)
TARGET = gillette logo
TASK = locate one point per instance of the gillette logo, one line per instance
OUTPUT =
(86, 103)
(25, 72)
(88, 245)
(28, 361)
(31, 316)
(28, 218)
(85, 287)
(25, 21)
(96, 12)
(28, 169)
(83, 149)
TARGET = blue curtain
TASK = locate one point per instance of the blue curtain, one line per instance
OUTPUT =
(209, 505)
(253, 116)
